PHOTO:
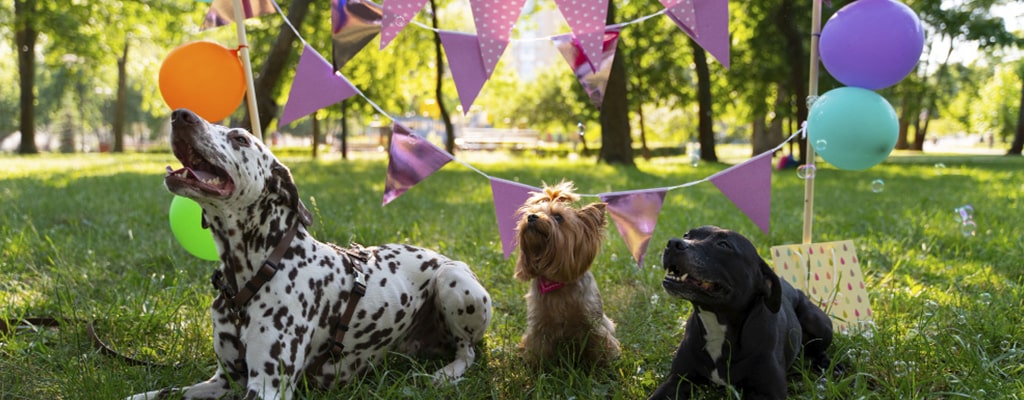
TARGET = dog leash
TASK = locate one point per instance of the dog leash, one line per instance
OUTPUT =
(33, 323)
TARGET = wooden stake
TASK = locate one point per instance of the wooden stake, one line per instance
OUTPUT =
(250, 92)
(812, 93)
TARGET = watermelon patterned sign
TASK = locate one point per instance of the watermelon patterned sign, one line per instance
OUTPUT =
(829, 273)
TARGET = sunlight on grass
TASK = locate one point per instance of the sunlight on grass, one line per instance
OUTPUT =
(86, 237)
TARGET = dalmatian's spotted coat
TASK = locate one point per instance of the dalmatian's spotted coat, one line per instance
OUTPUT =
(416, 301)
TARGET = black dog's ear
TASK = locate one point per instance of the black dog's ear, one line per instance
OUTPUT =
(772, 289)
(281, 182)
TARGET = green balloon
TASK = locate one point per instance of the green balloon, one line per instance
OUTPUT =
(187, 226)
(852, 128)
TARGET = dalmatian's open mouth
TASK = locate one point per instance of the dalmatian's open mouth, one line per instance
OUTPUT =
(197, 173)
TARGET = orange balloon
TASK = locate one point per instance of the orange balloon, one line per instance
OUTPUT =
(204, 77)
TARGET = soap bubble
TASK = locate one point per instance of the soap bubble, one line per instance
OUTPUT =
(968, 228)
(820, 144)
(877, 185)
(811, 100)
(806, 171)
(964, 213)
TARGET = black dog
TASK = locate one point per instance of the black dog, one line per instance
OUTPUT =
(747, 326)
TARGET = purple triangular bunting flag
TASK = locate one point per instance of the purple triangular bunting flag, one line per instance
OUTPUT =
(315, 86)
(466, 63)
(508, 198)
(635, 213)
(749, 186)
(708, 24)
(412, 159)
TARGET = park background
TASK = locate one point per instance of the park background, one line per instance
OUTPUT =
(85, 235)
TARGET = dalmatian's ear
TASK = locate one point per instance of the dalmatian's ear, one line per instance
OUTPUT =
(281, 182)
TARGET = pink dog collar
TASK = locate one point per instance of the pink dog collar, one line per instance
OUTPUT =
(548, 286)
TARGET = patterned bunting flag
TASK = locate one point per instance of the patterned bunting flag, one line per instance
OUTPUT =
(222, 12)
(749, 186)
(315, 86)
(635, 214)
(412, 159)
(508, 198)
(830, 274)
(468, 71)
(586, 18)
(706, 21)
(397, 14)
(494, 22)
(594, 81)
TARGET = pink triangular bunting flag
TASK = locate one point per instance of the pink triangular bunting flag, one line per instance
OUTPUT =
(635, 213)
(593, 81)
(468, 71)
(412, 159)
(508, 198)
(315, 86)
(397, 14)
(586, 18)
(710, 25)
(749, 186)
(494, 21)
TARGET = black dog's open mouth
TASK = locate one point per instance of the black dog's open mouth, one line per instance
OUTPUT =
(687, 285)
(197, 172)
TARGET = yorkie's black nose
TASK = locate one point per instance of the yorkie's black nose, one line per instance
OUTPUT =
(532, 218)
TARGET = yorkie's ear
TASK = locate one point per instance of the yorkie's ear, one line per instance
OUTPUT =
(523, 271)
(593, 215)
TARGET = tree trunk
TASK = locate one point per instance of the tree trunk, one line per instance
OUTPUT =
(266, 82)
(449, 141)
(616, 143)
(794, 37)
(121, 105)
(1018, 138)
(25, 39)
(316, 134)
(705, 128)
(344, 129)
(644, 150)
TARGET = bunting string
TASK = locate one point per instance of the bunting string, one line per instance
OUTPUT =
(635, 212)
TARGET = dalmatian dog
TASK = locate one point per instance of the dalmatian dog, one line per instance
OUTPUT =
(294, 311)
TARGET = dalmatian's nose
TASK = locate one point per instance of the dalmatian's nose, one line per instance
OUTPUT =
(183, 117)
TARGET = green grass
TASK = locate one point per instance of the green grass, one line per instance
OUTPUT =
(86, 238)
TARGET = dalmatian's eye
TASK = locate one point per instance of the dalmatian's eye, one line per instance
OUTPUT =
(724, 244)
(559, 218)
(239, 139)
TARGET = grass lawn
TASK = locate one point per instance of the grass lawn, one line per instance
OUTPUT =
(86, 238)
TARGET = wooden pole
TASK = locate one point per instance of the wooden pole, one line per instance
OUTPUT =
(250, 92)
(812, 94)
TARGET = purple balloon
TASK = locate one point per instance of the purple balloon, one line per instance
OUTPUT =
(872, 44)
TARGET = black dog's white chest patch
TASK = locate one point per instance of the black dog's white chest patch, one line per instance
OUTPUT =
(714, 340)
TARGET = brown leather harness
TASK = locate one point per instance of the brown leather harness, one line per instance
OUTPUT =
(238, 298)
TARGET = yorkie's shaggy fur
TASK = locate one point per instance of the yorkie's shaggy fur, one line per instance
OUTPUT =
(557, 244)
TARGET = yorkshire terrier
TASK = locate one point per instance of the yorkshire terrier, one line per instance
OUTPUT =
(557, 244)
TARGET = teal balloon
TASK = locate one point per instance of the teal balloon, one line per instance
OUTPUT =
(852, 128)
(187, 226)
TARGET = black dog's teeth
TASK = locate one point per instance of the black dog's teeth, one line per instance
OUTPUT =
(685, 278)
(677, 278)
